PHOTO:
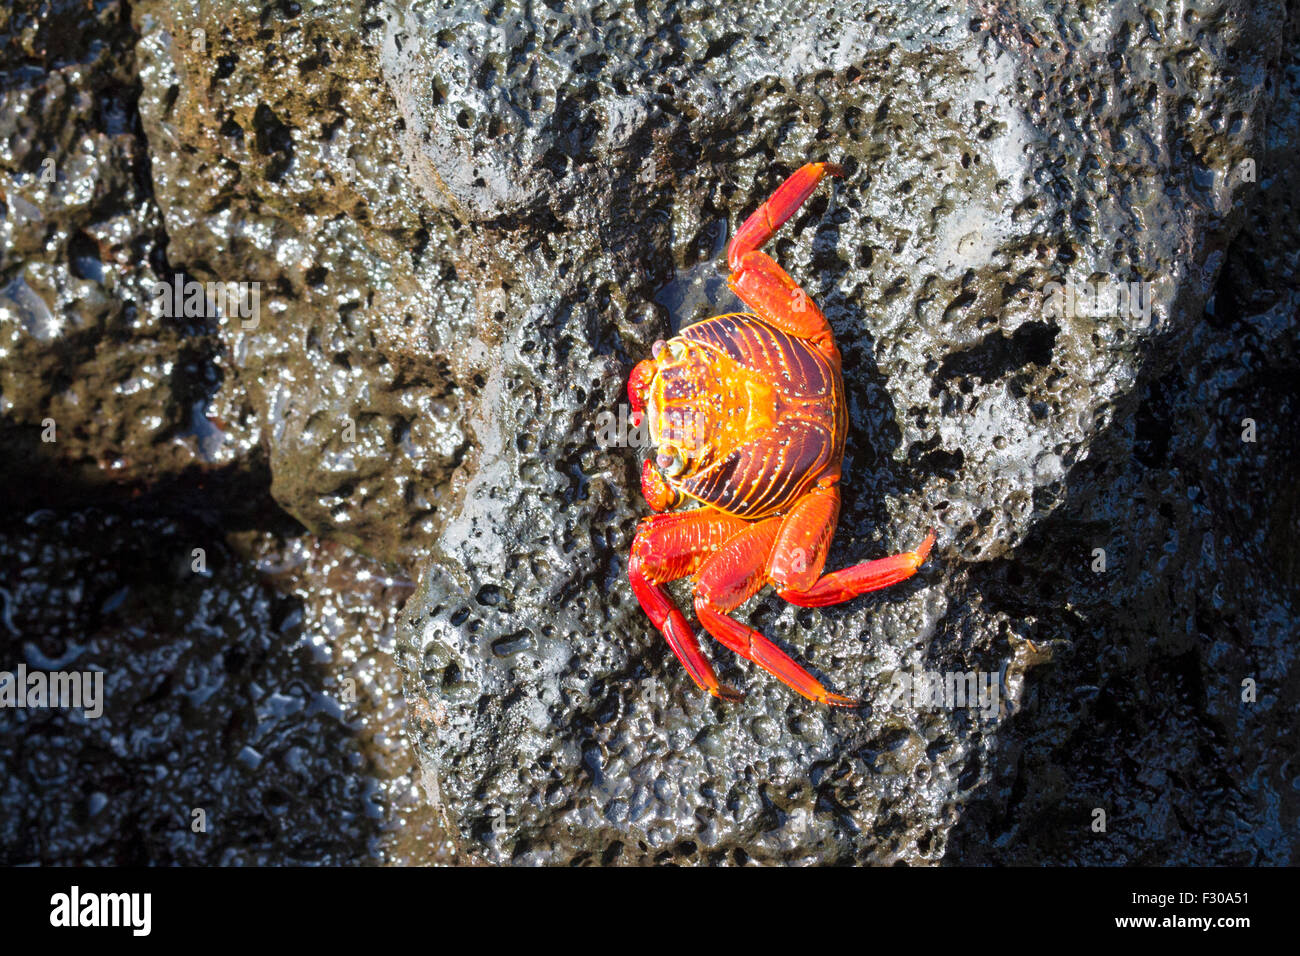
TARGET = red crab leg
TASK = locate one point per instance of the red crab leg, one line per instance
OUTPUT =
(768, 289)
(861, 578)
(732, 576)
(783, 204)
(668, 547)
(801, 546)
(762, 284)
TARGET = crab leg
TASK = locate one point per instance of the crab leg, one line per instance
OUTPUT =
(637, 383)
(777, 299)
(842, 585)
(727, 579)
(672, 546)
(804, 540)
(762, 284)
(806, 523)
(784, 203)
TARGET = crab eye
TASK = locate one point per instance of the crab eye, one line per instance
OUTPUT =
(670, 461)
(657, 348)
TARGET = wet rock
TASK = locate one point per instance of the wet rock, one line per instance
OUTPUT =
(465, 224)
(94, 389)
(296, 186)
(107, 400)
(987, 159)
(259, 689)
(1174, 708)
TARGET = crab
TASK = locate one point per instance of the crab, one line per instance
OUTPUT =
(748, 417)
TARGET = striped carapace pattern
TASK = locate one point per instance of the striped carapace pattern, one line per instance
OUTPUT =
(757, 414)
(748, 413)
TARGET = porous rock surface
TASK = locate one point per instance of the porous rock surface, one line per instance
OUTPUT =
(467, 222)
(988, 155)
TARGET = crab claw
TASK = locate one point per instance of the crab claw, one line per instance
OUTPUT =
(637, 384)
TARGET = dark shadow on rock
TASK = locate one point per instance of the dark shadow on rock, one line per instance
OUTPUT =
(1143, 711)
(217, 695)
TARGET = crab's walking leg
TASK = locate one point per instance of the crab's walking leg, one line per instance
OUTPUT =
(762, 284)
(668, 547)
(732, 576)
(800, 554)
(783, 204)
(777, 299)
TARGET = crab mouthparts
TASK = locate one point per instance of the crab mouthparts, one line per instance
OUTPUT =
(652, 421)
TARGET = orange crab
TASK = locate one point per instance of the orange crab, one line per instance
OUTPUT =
(747, 412)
